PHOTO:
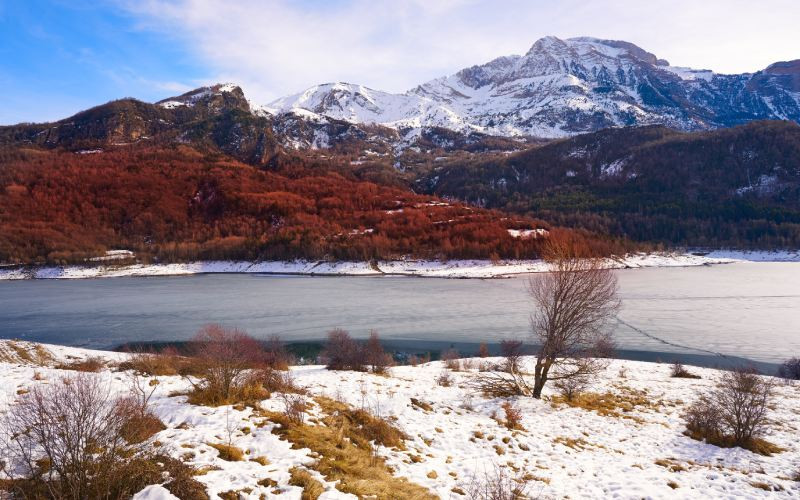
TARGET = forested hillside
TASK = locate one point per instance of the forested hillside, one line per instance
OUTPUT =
(736, 187)
(176, 204)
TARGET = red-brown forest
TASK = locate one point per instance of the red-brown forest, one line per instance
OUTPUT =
(175, 204)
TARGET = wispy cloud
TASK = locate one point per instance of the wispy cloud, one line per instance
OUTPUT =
(273, 47)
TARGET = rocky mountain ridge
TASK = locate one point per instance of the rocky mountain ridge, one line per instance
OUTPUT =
(561, 88)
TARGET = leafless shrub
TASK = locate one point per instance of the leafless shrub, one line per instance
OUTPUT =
(223, 357)
(497, 484)
(513, 417)
(790, 369)
(68, 440)
(452, 360)
(273, 380)
(734, 413)
(294, 407)
(512, 351)
(275, 354)
(141, 423)
(571, 386)
(416, 360)
(573, 304)
(678, 371)
(483, 350)
(374, 355)
(444, 379)
(343, 353)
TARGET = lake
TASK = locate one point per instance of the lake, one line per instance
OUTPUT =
(750, 310)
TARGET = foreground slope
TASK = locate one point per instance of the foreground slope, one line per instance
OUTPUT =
(454, 437)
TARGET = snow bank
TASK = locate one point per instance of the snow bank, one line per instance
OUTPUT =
(423, 268)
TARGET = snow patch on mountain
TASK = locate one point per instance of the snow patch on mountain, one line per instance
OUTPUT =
(560, 88)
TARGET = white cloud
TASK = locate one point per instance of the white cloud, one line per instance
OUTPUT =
(276, 47)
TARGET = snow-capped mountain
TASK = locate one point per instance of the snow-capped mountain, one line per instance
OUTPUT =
(563, 87)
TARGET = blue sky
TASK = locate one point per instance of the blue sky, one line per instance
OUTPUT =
(60, 56)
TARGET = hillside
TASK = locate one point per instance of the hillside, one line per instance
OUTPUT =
(178, 204)
(735, 187)
(442, 440)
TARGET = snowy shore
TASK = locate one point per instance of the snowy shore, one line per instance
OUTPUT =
(452, 437)
(421, 268)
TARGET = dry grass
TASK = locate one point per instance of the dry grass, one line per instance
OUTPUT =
(422, 405)
(91, 365)
(368, 426)
(609, 404)
(248, 393)
(345, 451)
(312, 488)
(756, 445)
(578, 444)
(228, 452)
(670, 465)
(33, 354)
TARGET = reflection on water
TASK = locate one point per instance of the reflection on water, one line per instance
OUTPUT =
(749, 310)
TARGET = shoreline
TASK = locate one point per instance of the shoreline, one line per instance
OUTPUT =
(457, 269)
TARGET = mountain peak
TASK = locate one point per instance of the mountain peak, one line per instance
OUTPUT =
(585, 45)
(219, 95)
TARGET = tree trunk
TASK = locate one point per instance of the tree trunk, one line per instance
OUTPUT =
(540, 376)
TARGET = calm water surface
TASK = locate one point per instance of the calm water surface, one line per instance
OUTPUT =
(750, 310)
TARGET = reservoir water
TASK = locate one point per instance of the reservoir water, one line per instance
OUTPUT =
(749, 310)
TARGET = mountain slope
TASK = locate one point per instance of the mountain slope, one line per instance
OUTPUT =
(736, 187)
(563, 87)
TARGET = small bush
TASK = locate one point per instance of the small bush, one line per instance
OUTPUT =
(273, 380)
(512, 351)
(483, 350)
(343, 353)
(790, 369)
(68, 439)
(444, 379)
(497, 484)
(224, 357)
(452, 360)
(275, 354)
(294, 408)
(678, 371)
(513, 417)
(735, 413)
(571, 387)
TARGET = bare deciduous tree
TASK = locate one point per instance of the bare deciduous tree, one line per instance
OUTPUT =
(573, 303)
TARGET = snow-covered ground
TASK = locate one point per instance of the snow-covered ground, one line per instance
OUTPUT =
(564, 451)
(423, 268)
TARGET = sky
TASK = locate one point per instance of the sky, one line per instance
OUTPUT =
(58, 57)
